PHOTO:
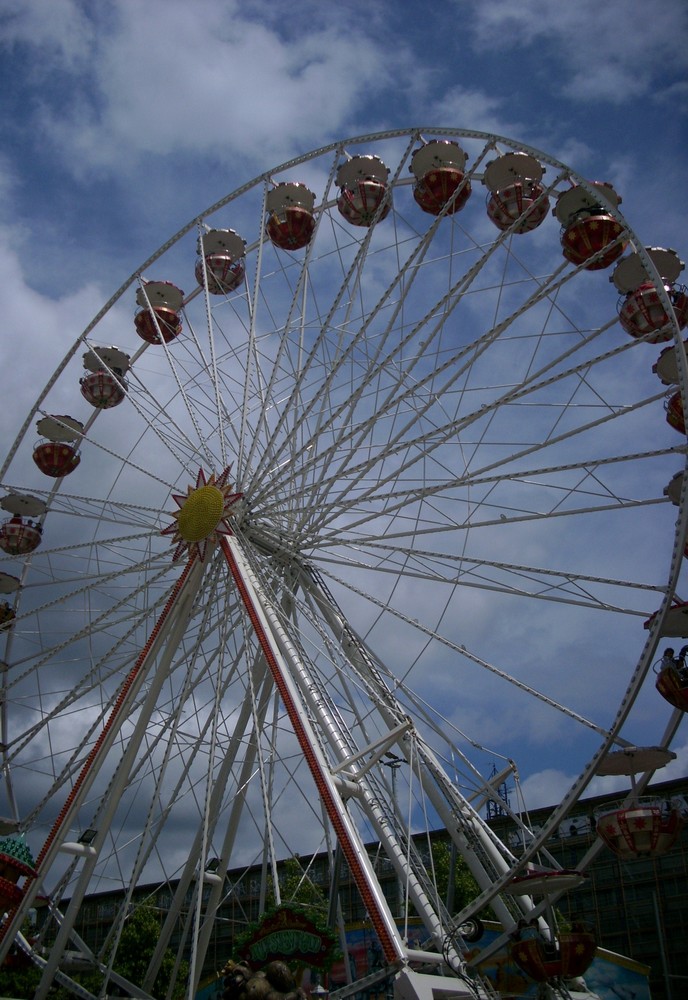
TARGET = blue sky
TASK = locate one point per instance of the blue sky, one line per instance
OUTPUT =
(123, 120)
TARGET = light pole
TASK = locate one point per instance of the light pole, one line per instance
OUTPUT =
(393, 762)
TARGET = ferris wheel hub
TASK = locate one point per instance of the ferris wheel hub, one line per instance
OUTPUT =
(202, 515)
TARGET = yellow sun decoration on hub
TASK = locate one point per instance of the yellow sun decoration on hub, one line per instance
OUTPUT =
(202, 515)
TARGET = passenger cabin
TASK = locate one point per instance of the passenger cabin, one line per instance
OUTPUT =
(103, 384)
(642, 311)
(590, 236)
(290, 220)
(221, 261)
(517, 200)
(363, 186)
(157, 319)
(441, 184)
(57, 455)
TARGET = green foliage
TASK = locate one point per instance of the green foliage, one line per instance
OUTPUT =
(465, 887)
(297, 893)
(137, 943)
(18, 976)
(138, 940)
(18, 981)
(298, 890)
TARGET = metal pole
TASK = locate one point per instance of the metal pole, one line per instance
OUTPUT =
(662, 949)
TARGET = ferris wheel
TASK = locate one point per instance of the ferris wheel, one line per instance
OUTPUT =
(323, 549)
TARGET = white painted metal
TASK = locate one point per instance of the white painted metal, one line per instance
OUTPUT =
(427, 425)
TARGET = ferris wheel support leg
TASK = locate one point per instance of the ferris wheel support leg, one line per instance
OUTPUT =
(308, 693)
(468, 832)
(95, 759)
(463, 825)
(161, 647)
(354, 851)
(265, 688)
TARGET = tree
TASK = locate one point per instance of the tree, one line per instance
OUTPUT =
(464, 889)
(137, 942)
(19, 980)
(298, 890)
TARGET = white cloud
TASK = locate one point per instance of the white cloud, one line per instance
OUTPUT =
(202, 79)
(474, 108)
(678, 768)
(37, 330)
(545, 788)
(594, 60)
(60, 31)
(486, 110)
(548, 787)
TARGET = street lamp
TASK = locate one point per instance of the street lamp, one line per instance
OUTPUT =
(82, 847)
(394, 762)
(210, 876)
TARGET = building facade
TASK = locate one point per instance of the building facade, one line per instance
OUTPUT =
(637, 907)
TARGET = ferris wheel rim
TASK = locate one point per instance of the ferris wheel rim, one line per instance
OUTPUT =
(416, 131)
(266, 178)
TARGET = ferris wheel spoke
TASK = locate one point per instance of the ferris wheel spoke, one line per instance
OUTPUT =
(589, 425)
(460, 649)
(520, 453)
(441, 486)
(438, 524)
(206, 395)
(437, 314)
(71, 702)
(400, 443)
(295, 321)
(440, 444)
(89, 771)
(440, 435)
(111, 509)
(313, 355)
(246, 773)
(33, 663)
(378, 362)
(188, 408)
(442, 566)
(146, 841)
(567, 592)
(156, 421)
(593, 463)
(253, 367)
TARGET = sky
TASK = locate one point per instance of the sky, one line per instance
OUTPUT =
(123, 120)
(121, 123)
